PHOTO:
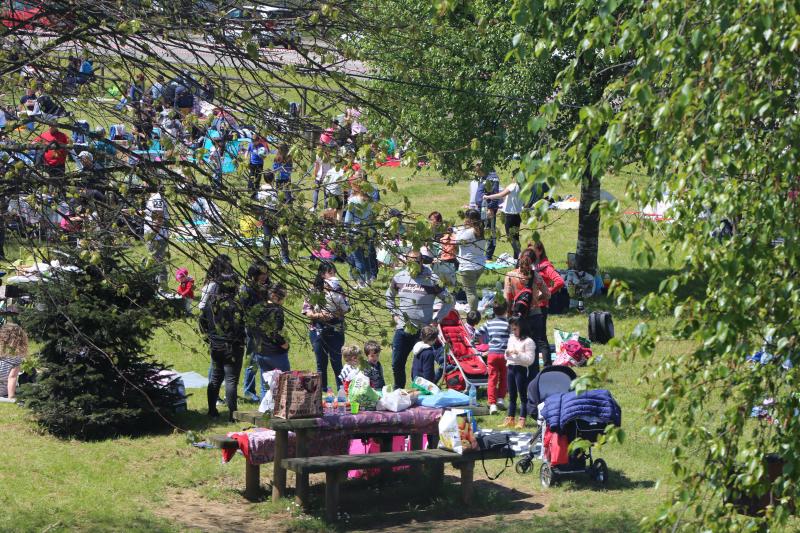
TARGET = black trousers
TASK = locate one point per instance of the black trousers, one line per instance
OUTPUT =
(512, 224)
(254, 180)
(226, 364)
(538, 332)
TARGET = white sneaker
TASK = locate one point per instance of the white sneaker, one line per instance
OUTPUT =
(492, 409)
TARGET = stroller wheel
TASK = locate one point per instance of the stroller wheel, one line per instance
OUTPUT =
(524, 466)
(599, 472)
(546, 475)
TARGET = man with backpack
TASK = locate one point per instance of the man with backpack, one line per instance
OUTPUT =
(223, 323)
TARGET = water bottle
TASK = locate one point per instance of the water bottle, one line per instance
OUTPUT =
(473, 396)
(329, 409)
(341, 399)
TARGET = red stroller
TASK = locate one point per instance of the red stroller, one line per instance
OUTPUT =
(463, 366)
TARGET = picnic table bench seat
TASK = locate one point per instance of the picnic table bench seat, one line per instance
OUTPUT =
(336, 466)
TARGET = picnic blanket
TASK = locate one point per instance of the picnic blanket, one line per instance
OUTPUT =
(493, 265)
(520, 442)
(258, 445)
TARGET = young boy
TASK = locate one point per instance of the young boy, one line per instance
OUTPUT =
(374, 369)
(473, 319)
(350, 354)
(494, 332)
(425, 355)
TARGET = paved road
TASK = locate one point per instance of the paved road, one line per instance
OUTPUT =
(198, 51)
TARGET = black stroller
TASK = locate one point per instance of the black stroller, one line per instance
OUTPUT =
(555, 380)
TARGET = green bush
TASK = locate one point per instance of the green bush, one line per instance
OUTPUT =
(95, 379)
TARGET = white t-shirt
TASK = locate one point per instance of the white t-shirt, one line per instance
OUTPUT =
(471, 251)
(156, 205)
(323, 168)
(268, 197)
(512, 204)
(333, 181)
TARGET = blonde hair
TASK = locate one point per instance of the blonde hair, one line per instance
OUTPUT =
(13, 341)
(351, 352)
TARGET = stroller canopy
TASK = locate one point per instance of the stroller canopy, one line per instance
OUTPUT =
(551, 380)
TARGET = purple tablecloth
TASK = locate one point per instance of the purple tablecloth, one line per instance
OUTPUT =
(334, 432)
(418, 420)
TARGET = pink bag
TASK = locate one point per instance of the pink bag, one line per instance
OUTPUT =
(573, 354)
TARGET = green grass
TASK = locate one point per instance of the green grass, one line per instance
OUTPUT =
(119, 484)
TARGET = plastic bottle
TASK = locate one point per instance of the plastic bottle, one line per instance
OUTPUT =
(473, 396)
(329, 399)
(341, 400)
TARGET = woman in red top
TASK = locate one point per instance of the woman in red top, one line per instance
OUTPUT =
(554, 282)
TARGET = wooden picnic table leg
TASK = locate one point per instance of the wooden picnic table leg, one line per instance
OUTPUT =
(467, 475)
(332, 479)
(301, 484)
(252, 481)
(278, 472)
(416, 444)
(436, 471)
(386, 446)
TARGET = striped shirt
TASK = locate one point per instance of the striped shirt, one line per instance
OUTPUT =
(495, 333)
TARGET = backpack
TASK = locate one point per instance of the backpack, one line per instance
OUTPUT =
(522, 300)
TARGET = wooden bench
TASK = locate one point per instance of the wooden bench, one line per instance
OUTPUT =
(335, 468)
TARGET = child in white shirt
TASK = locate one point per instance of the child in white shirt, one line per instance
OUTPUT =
(350, 354)
(520, 354)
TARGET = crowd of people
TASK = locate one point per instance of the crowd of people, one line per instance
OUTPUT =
(245, 319)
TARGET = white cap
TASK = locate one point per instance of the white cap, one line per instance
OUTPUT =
(85, 155)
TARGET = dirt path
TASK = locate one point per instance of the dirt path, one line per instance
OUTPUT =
(517, 505)
(198, 513)
(188, 508)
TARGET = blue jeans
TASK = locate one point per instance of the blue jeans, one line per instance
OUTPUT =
(402, 344)
(315, 198)
(327, 344)
(490, 226)
(358, 260)
(250, 379)
(372, 261)
(272, 362)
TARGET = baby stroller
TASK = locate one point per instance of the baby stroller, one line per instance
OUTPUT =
(463, 366)
(556, 461)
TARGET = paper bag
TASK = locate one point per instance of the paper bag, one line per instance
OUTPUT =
(299, 395)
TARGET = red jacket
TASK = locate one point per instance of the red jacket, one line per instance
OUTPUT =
(551, 277)
(186, 289)
(54, 157)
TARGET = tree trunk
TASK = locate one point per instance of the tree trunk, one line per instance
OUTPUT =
(588, 223)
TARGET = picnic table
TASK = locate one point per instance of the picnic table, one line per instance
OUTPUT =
(316, 438)
(382, 425)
